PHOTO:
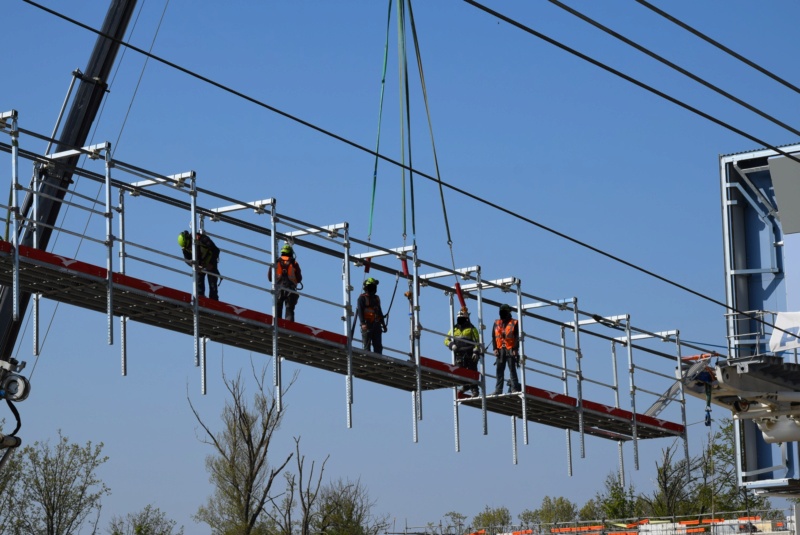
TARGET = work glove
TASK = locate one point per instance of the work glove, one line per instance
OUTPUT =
(452, 346)
(384, 328)
(476, 358)
(496, 352)
(364, 328)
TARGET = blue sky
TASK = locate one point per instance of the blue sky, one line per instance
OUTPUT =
(517, 122)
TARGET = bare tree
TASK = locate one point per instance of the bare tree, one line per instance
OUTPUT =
(345, 508)
(58, 488)
(239, 468)
(149, 521)
(306, 487)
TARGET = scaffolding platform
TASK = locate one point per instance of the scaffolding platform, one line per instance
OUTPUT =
(85, 285)
(562, 411)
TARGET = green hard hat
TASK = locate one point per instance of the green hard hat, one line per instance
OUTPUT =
(287, 249)
(184, 239)
(505, 308)
(371, 281)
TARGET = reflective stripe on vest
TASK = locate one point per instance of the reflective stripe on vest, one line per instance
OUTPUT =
(504, 335)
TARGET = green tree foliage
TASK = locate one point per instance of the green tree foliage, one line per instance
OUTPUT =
(149, 521)
(493, 518)
(345, 508)
(240, 469)
(529, 519)
(456, 522)
(717, 487)
(55, 488)
(551, 511)
(676, 486)
(557, 509)
(710, 485)
(615, 501)
(8, 475)
(591, 510)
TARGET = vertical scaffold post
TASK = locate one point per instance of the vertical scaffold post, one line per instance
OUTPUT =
(349, 319)
(195, 291)
(456, 428)
(15, 208)
(579, 377)
(276, 360)
(203, 367)
(631, 368)
(416, 340)
(522, 397)
(616, 396)
(123, 320)
(514, 438)
(481, 328)
(35, 230)
(109, 215)
(683, 400)
(565, 389)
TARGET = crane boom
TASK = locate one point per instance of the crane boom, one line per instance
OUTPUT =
(74, 133)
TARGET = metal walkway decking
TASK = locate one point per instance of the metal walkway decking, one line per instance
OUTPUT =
(85, 285)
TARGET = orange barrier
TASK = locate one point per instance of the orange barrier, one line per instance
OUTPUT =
(578, 529)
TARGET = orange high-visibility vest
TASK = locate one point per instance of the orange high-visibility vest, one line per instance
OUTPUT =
(286, 270)
(504, 337)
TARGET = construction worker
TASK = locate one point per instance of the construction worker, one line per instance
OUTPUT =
(464, 341)
(207, 254)
(289, 276)
(369, 313)
(506, 348)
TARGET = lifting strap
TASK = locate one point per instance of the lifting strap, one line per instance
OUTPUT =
(380, 116)
(405, 119)
(433, 143)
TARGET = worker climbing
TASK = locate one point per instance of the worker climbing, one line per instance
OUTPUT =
(287, 280)
(207, 256)
(464, 341)
(370, 315)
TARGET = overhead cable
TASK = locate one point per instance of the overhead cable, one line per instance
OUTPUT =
(456, 189)
(627, 78)
(674, 66)
(719, 45)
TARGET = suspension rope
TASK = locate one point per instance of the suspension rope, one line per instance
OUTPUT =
(380, 118)
(430, 130)
(407, 93)
(402, 87)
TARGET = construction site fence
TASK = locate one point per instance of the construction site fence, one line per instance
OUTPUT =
(773, 521)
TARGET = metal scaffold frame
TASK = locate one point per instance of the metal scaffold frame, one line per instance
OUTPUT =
(253, 246)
